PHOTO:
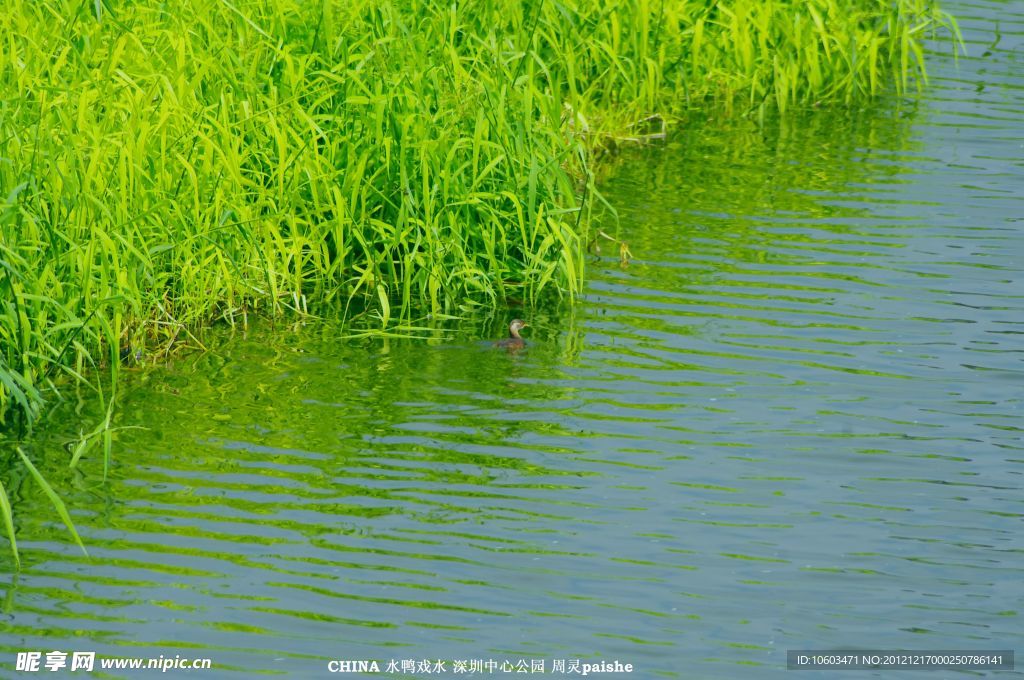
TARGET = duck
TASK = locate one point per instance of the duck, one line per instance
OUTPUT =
(514, 340)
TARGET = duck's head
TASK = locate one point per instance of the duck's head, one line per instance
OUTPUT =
(516, 326)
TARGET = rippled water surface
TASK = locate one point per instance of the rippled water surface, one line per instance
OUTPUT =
(793, 421)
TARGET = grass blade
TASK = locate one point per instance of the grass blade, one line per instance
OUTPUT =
(58, 504)
(8, 517)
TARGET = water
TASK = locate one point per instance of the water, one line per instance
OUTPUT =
(793, 421)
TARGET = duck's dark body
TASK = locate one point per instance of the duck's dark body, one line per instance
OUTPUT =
(514, 340)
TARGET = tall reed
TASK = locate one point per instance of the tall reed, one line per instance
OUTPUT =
(164, 165)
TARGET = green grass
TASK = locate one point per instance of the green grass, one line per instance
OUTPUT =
(164, 165)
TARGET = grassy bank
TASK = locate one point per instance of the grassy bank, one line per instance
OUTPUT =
(165, 165)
